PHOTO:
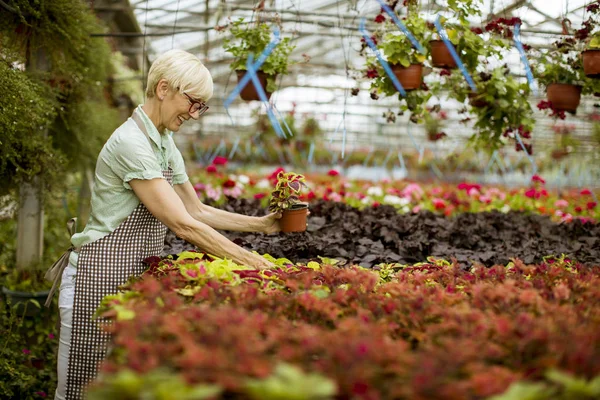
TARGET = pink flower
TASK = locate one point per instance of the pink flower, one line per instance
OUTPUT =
(485, 199)
(473, 192)
(211, 169)
(561, 203)
(41, 394)
(416, 209)
(51, 336)
(259, 196)
(537, 178)
(333, 172)
(567, 218)
(586, 192)
(199, 186)
(436, 191)
(26, 351)
(219, 160)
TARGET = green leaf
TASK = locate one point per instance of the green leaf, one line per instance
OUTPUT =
(525, 391)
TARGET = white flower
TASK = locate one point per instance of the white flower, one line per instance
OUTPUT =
(505, 209)
(375, 191)
(243, 179)
(366, 200)
(263, 184)
(391, 199)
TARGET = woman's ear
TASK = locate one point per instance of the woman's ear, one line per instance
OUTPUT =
(161, 89)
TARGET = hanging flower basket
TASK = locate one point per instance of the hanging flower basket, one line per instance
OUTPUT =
(591, 63)
(249, 93)
(410, 77)
(564, 96)
(440, 55)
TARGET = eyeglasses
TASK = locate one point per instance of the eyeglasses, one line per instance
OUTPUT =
(196, 106)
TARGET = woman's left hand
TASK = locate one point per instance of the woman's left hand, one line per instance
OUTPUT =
(270, 223)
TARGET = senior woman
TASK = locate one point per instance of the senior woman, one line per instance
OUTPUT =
(141, 189)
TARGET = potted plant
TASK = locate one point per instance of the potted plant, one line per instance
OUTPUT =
(591, 35)
(26, 290)
(434, 123)
(284, 199)
(253, 39)
(565, 144)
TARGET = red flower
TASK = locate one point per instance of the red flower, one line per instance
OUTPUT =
(311, 195)
(439, 204)
(333, 172)
(259, 196)
(219, 160)
(591, 205)
(376, 204)
(530, 193)
(229, 183)
(477, 30)
(578, 209)
(372, 73)
(211, 169)
(585, 192)
(537, 178)
(275, 173)
(380, 18)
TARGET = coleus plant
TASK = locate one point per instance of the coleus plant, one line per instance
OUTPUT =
(288, 187)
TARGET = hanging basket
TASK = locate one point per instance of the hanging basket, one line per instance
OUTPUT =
(410, 77)
(564, 96)
(440, 55)
(294, 219)
(591, 63)
(249, 93)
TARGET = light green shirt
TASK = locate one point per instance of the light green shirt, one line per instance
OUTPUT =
(125, 156)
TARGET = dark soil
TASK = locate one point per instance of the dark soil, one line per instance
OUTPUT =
(380, 234)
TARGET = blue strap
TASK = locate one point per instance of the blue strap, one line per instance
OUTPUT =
(450, 46)
(517, 37)
(234, 147)
(402, 27)
(311, 152)
(383, 63)
(263, 97)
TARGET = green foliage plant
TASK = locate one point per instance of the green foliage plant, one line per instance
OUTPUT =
(253, 38)
(286, 191)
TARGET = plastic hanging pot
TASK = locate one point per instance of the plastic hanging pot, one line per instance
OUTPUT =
(440, 55)
(591, 63)
(410, 77)
(564, 96)
(294, 218)
(249, 93)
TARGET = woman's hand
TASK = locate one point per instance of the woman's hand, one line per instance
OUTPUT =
(270, 223)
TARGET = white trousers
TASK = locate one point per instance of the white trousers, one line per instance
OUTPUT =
(65, 305)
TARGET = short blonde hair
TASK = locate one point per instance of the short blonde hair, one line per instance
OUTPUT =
(181, 70)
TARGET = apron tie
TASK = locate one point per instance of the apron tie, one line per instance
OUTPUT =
(54, 273)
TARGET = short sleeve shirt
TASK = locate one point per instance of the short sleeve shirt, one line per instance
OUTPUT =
(127, 155)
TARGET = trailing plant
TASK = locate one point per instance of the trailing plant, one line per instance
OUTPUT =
(253, 38)
(288, 187)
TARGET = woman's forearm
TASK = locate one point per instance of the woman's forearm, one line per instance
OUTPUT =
(224, 220)
(212, 242)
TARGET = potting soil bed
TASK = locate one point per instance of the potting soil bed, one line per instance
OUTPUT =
(381, 235)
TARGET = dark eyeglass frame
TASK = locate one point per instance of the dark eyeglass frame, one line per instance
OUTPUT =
(196, 106)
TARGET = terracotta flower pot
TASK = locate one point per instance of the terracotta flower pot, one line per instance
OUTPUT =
(411, 77)
(440, 55)
(249, 93)
(294, 219)
(563, 96)
(591, 63)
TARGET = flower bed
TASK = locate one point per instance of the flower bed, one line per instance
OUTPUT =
(316, 331)
(216, 185)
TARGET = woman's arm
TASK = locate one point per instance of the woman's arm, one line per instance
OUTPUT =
(162, 201)
(220, 219)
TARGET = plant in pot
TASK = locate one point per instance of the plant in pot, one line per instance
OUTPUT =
(253, 38)
(590, 34)
(285, 200)
(434, 123)
(564, 143)
(504, 112)
(309, 132)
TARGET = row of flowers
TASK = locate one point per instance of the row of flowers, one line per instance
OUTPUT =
(216, 184)
(315, 331)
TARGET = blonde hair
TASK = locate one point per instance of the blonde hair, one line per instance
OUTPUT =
(181, 70)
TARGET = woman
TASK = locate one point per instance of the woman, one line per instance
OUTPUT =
(141, 189)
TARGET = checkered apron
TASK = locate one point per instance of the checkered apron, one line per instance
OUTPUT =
(102, 267)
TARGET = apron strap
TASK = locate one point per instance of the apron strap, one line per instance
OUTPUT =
(54, 273)
(138, 120)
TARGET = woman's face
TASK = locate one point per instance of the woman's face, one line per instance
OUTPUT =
(176, 110)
